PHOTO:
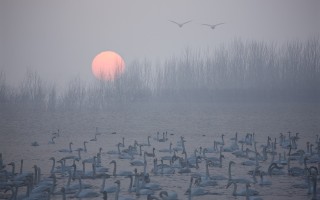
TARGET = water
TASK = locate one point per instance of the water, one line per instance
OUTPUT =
(200, 124)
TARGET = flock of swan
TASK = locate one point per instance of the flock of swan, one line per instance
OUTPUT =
(161, 156)
(181, 24)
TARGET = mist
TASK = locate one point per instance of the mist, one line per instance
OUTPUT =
(241, 99)
(241, 71)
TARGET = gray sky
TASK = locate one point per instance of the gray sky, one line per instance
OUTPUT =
(60, 38)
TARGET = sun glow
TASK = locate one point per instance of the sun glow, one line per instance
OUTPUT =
(107, 65)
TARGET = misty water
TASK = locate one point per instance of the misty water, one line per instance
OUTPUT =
(199, 123)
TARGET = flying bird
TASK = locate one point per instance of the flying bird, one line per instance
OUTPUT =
(212, 26)
(180, 24)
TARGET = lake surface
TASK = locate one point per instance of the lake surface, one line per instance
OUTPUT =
(199, 124)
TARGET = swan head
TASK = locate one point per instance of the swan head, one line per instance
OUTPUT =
(230, 183)
(113, 161)
(163, 194)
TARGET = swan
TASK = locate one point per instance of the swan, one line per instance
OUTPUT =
(238, 180)
(142, 191)
(121, 173)
(168, 195)
(163, 170)
(67, 150)
(95, 137)
(164, 137)
(110, 189)
(114, 152)
(121, 144)
(56, 134)
(207, 175)
(2, 165)
(41, 195)
(52, 140)
(220, 142)
(35, 144)
(297, 171)
(248, 191)
(53, 168)
(314, 187)
(149, 185)
(264, 181)
(90, 174)
(23, 177)
(85, 193)
(152, 197)
(180, 24)
(148, 142)
(150, 154)
(180, 145)
(275, 169)
(167, 150)
(44, 184)
(84, 146)
(117, 193)
(203, 183)
(213, 26)
(197, 191)
(126, 156)
(90, 160)
(138, 162)
(71, 188)
(156, 138)
(248, 197)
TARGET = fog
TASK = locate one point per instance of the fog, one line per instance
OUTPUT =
(242, 71)
(254, 79)
(59, 39)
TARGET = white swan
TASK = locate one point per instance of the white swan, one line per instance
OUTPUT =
(167, 150)
(138, 162)
(150, 154)
(180, 24)
(237, 180)
(168, 195)
(52, 140)
(203, 183)
(118, 191)
(72, 187)
(110, 189)
(213, 26)
(148, 142)
(67, 150)
(248, 191)
(121, 173)
(264, 181)
(114, 152)
(85, 193)
(275, 169)
(197, 191)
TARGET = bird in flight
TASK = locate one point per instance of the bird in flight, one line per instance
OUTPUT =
(212, 26)
(180, 24)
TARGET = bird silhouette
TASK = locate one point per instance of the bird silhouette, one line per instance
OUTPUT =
(212, 26)
(180, 24)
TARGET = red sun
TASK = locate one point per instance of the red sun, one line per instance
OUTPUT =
(107, 65)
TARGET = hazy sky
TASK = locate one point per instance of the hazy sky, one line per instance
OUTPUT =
(60, 38)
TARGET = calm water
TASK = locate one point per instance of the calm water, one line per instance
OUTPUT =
(200, 124)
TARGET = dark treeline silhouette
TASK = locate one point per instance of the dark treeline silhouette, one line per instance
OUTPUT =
(241, 70)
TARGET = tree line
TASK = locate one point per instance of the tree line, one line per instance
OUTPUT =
(238, 69)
